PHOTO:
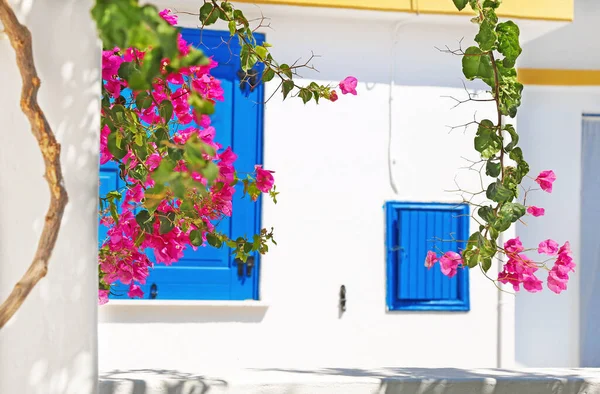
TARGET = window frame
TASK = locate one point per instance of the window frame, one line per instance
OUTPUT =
(393, 302)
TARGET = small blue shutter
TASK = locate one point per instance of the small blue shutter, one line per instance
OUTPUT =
(412, 230)
(209, 273)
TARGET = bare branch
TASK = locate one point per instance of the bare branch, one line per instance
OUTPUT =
(20, 39)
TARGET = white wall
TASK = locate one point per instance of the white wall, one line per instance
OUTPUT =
(331, 167)
(50, 345)
(547, 330)
(547, 325)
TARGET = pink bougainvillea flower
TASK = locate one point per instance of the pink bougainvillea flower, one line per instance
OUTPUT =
(264, 179)
(105, 155)
(548, 247)
(111, 61)
(536, 211)
(532, 284)
(513, 246)
(545, 180)
(166, 15)
(449, 263)
(348, 85)
(431, 259)
(557, 282)
(135, 291)
(333, 96)
(559, 274)
(102, 297)
(520, 270)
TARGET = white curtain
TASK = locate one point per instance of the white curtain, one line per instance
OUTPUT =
(589, 267)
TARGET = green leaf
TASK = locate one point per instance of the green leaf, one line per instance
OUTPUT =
(143, 100)
(161, 135)
(166, 110)
(477, 64)
(288, 85)
(113, 211)
(113, 148)
(491, 4)
(471, 257)
(516, 155)
(487, 141)
(514, 211)
(486, 38)
(460, 4)
(167, 222)
(261, 52)
(513, 135)
(268, 75)
(153, 197)
(247, 58)
(232, 28)
(125, 70)
(508, 42)
(196, 238)
(164, 173)
(209, 14)
(195, 57)
(214, 240)
(522, 166)
(493, 169)
(144, 220)
(210, 172)
(486, 264)
(486, 213)
(137, 81)
(227, 9)
(305, 94)
(201, 106)
(286, 70)
(499, 193)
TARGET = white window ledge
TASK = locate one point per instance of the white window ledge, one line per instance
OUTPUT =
(190, 303)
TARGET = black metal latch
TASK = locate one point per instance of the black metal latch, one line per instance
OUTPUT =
(153, 291)
(249, 80)
(249, 265)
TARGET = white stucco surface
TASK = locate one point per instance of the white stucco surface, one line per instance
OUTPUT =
(332, 168)
(49, 347)
(548, 326)
(550, 125)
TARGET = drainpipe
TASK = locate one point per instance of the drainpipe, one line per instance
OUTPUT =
(391, 162)
(505, 352)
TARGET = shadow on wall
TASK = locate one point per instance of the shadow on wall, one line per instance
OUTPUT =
(145, 381)
(49, 347)
(460, 381)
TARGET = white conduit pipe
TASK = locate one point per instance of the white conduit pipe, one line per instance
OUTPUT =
(397, 26)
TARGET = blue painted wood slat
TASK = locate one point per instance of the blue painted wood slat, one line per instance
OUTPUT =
(412, 230)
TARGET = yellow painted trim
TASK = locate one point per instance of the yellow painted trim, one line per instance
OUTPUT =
(549, 77)
(371, 5)
(553, 10)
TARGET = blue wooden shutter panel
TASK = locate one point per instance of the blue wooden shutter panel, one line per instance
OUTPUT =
(209, 273)
(412, 230)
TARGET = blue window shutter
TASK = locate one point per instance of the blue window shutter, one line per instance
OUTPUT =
(209, 273)
(413, 229)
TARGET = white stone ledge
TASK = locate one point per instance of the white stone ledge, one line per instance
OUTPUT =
(354, 381)
(187, 303)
